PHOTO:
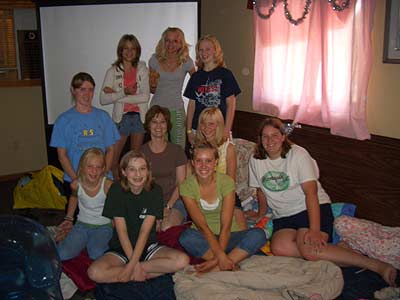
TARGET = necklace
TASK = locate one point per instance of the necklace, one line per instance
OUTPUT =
(89, 188)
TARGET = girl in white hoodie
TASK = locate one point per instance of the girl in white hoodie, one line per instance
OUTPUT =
(126, 86)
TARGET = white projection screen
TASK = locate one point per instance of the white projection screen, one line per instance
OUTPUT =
(84, 38)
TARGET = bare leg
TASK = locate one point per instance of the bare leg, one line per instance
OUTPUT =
(136, 141)
(284, 243)
(106, 269)
(117, 153)
(165, 260)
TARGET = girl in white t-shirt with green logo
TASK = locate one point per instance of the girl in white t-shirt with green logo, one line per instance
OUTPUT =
(286, 178)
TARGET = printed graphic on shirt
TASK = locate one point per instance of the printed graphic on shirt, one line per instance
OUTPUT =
(275, 181)
(143, 213)
(89, 138)
(209, 94)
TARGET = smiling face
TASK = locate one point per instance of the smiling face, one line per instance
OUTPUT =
(158, 126)
(93, 169)
(206, 51)
(172, 42)
(272, 140)
(128, 52)
(83, 95)
(204, 163)
(137, 174)
(208, 127)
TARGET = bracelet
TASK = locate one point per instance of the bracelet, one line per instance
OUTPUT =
(167, 206)
(189, 131)
(67, 218)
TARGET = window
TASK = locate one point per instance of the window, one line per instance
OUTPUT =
(8, 54)
(317, 72)
(19, 53)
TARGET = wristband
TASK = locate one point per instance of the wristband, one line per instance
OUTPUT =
(67, 218)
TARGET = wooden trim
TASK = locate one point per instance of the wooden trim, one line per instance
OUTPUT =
(361, 172)
(16, 4)
(20, 83)
(12, 177)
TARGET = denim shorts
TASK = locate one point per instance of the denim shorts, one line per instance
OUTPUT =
(130, 124)
(300, 220)
(146, 255)
(181, 207)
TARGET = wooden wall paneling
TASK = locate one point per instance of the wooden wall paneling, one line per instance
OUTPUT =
(361, 172)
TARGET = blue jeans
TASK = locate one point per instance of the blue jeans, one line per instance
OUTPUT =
(95, 239)
(249, 240)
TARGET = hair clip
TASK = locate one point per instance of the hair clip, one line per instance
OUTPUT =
(289, 127)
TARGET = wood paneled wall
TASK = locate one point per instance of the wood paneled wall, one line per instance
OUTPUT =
(365, 173)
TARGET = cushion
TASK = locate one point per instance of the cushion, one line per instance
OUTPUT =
(244, 150)
(76, 269)
(341, 209)
(170, 238)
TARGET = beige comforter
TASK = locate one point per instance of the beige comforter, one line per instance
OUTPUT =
(264, 277)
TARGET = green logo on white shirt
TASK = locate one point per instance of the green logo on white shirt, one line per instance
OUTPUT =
(275, 181)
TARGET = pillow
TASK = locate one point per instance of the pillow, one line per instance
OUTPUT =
(341, 209)
(244, 150)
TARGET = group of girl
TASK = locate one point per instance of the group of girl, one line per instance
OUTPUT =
(128, 83)
(128, 211)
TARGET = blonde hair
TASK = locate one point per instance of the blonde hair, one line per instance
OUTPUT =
(86, 156)
(219, 54)
(132, 155)
(216, 115)
(183, 53)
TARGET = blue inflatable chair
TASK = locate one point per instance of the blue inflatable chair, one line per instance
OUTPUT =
(30, 268)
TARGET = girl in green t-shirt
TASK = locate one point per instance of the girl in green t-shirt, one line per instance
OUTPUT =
(209, 197)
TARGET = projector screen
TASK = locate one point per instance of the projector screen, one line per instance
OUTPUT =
(84, 38)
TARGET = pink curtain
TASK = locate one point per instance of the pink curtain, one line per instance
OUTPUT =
(315, 73)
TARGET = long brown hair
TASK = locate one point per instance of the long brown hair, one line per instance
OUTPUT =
(260, 152)
(121, 44)
(124, 164)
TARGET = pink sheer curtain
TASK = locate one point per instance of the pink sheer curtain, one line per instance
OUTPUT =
(315, 73)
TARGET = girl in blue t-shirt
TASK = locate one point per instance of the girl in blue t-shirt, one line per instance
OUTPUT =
(213, 85)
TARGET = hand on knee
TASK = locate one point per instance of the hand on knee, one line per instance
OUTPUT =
(310, 253)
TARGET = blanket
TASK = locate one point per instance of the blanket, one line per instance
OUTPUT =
(264, 277)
